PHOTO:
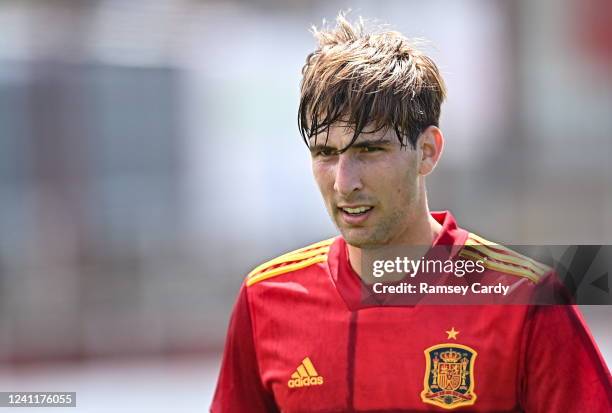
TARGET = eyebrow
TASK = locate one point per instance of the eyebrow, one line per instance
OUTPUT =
(360, 144)
(366, 144)
(319, 147)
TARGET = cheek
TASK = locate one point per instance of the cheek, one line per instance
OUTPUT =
(323, 177)
(401, 183)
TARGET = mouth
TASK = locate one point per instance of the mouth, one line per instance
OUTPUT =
(358, 210)
(355, 214)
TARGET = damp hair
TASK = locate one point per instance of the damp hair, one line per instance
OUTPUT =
(369, 81)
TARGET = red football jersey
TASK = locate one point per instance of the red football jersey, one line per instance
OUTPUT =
(301, 339)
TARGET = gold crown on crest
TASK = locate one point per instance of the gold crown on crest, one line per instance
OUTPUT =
(450, 356)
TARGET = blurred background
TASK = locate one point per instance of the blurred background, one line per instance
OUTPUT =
(150, 157)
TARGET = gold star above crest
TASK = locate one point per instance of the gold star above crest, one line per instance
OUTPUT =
(452, 333)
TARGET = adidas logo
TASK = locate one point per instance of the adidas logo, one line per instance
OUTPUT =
(305, 375)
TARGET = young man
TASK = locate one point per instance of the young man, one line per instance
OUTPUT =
(303, 338)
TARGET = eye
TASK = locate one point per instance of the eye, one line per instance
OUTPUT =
(369, 149)
(325, 152)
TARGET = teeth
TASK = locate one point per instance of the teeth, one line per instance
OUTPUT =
(357, 210)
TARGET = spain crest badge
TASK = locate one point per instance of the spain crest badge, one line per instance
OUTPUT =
(449, 376)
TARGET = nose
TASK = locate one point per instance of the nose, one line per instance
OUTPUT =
(348, 175)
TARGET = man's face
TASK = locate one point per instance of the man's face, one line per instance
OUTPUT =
(371, 191)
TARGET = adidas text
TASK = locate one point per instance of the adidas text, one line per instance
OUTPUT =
(305, 381)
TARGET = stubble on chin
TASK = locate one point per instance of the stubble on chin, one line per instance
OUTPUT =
(379, 235)
(363, 237)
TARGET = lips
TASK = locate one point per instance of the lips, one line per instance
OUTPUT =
(355, 214)
(356, 210)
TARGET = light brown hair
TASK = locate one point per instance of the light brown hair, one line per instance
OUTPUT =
(377, 80)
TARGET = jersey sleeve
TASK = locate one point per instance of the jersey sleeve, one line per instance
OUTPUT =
(563, 370)
(239, 387)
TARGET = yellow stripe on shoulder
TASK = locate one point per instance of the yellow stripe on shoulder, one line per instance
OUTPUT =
(500, 258)
(291, 261)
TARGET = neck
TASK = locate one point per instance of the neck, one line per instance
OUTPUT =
(423, 233)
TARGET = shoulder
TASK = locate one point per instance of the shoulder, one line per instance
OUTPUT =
(290, 262)
(503, 260)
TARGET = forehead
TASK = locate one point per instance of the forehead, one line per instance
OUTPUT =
(339, 135)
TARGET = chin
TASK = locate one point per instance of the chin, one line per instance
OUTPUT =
(360, 238)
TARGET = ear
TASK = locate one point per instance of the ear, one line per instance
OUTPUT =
(430, 145)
